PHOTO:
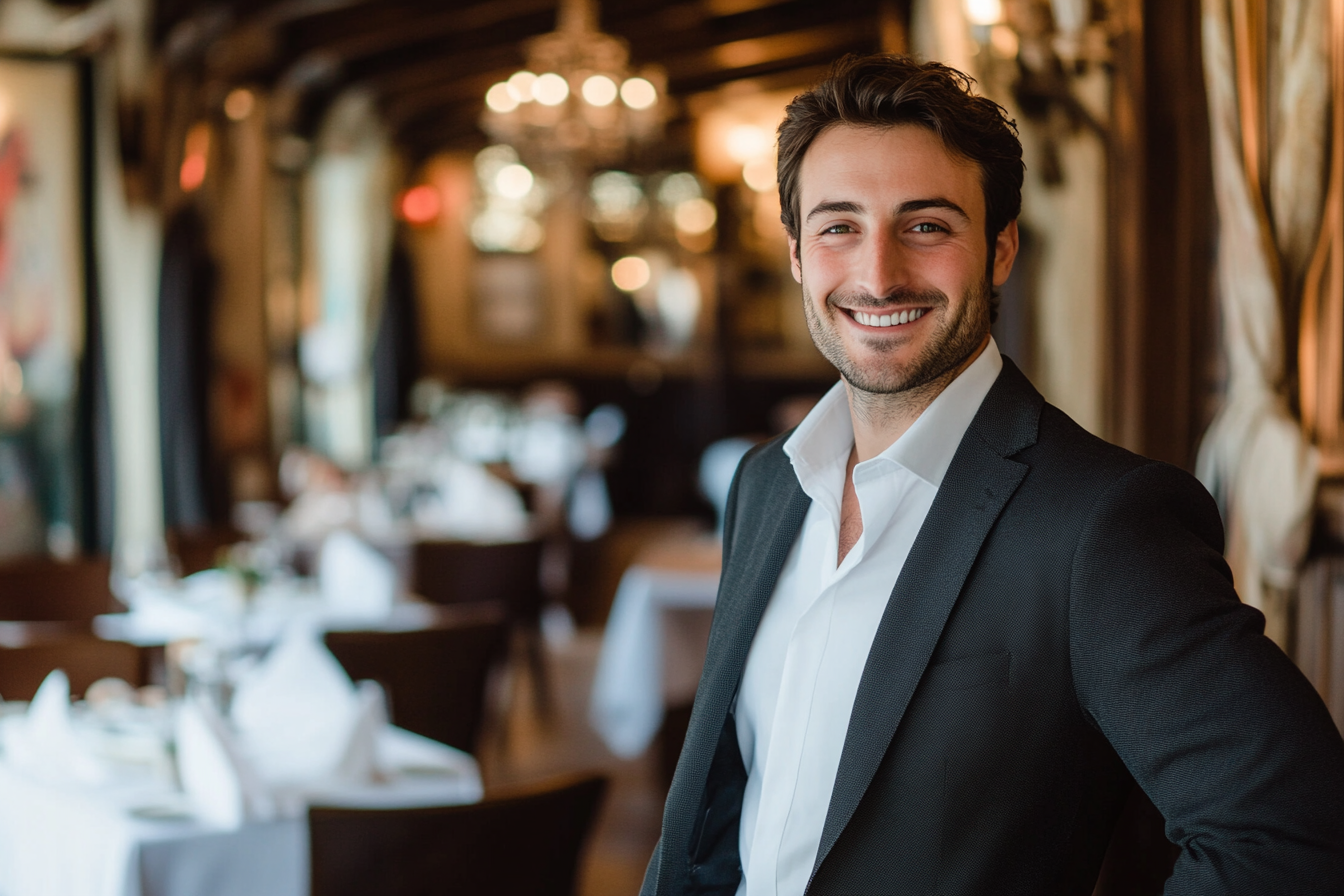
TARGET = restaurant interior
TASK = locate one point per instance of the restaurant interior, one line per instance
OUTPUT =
(373, 374)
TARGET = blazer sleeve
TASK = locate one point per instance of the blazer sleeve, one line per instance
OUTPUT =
(653, 872)
(1215, 723)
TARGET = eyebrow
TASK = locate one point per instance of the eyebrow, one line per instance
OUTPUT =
(910, 206)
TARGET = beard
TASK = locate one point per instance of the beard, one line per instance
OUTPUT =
(945, 350)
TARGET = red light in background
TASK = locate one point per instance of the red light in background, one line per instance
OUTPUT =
(192, 174)
(196, 152)
(420, 205)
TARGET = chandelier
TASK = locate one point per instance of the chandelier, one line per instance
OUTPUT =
(576, 99)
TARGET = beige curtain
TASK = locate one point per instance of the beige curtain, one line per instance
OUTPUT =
(1267, 72)
(1321, 356)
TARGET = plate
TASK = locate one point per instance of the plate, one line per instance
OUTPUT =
(161, 813)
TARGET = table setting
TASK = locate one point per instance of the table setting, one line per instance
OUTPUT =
(130, 793)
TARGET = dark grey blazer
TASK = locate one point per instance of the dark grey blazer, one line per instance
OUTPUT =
(1064, 621)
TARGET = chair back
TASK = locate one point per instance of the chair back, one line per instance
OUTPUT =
(452, 572)
(201, 547)
(43, 589)
(524, 844)
(84, 658)
(435, 678)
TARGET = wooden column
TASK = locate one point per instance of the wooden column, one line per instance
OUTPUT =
(1160, 244)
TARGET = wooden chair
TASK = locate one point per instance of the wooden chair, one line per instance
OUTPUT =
(84, 658)
(435, 678)
(203, 547)
(455, 572)
(43, 589)
(524, 844)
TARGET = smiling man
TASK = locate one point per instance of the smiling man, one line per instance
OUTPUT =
(954, 630)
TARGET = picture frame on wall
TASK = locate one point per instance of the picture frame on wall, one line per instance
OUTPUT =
(46, 301)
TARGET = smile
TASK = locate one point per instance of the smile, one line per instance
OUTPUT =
(887, 320)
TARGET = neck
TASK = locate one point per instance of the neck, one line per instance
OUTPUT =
(880, 419)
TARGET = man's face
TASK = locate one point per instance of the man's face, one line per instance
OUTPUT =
(892, 228)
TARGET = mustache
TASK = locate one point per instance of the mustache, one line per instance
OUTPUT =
(861, 300)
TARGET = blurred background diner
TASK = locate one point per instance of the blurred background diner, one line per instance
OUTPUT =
(373, 373)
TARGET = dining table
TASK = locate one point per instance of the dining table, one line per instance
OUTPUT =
(130, 830)
(653, 647)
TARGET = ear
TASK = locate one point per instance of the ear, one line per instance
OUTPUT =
(1005, 252)
(794, 264)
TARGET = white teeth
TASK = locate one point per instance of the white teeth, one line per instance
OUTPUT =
(887, 320)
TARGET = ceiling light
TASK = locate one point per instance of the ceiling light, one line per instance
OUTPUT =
(569, 112)
(984, 12)
(550, 89)
(599, 90)
(501, 97)
(630, 273)
(638, 93)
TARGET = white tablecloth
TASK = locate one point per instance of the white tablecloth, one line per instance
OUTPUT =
(132, 837)
(633, 678)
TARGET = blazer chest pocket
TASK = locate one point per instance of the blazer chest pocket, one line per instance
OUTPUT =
(968, 672)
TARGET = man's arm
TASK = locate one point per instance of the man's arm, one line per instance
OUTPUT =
(1223, 733)
(650, 885)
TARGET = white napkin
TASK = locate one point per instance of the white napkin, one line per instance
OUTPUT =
(222, 786)
(215, 589)
(355, 580)
(360, 762)
(470, 503)
(297, 711)
(43, 741)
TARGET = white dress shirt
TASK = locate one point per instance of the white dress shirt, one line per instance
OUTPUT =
(803, 670)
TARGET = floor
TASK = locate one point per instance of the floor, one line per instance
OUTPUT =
(518, 747)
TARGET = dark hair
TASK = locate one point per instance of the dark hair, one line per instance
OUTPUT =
(883, 90)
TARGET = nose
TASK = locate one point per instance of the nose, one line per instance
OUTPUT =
(883, 266)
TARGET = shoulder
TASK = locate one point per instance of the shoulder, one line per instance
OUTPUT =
(1110, 479)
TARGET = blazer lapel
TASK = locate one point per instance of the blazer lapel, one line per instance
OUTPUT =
(766, 529)
(767, 520)
(975, 490)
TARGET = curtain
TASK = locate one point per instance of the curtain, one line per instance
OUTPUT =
(1266, 69)
(1321, 365)
(192, 486)
(396, 348)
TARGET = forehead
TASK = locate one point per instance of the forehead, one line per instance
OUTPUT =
(895, 163)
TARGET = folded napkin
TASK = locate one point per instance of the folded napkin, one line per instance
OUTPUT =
(360, 764)
(223, 787)
(43, 742)
(469, 502)
(297, 714)
(355, 580)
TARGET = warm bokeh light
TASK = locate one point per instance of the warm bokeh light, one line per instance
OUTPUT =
(501, 98)
(984, 12)
(695, 215)
(192, 173)
(420, 205)
(514, 181)
(550, 89)
(522, 82)
(759, 174)
(630, 273)
(639, 93)
(599, 90)
(238, 104)
(1004, 41)
(747, 142)
(196, 151)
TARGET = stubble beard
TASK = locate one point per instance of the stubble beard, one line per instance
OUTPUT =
(943, 354)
